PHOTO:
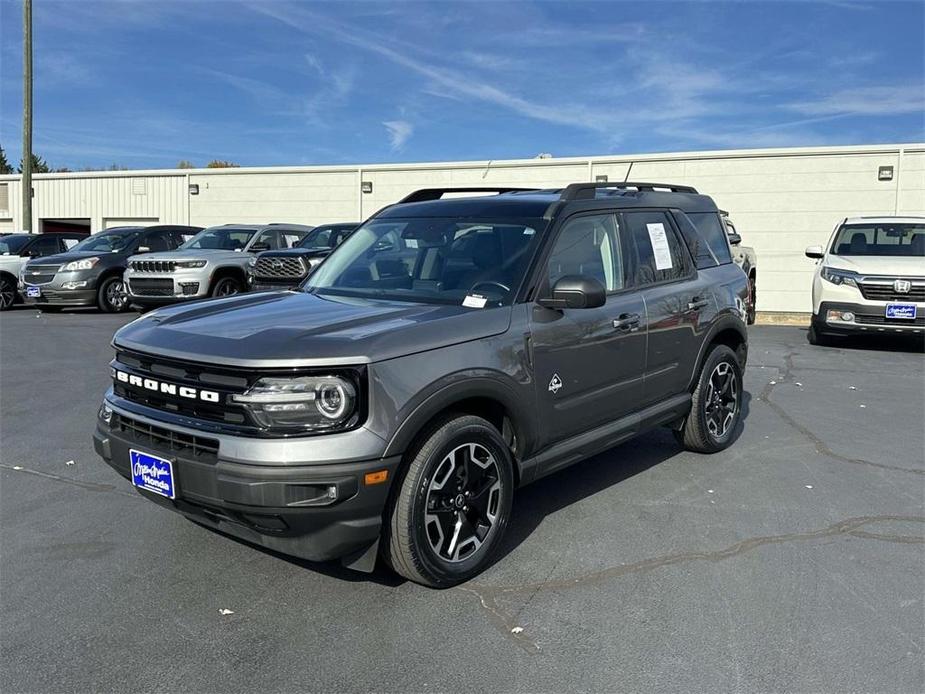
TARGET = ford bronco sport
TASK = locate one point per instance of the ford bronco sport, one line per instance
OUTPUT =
(448, 352)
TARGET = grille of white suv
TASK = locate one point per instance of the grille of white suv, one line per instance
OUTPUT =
(154, 265)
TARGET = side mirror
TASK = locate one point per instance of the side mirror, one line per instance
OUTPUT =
(734, 239)
(144, 249)
(815, 252)
(259, 247)
(576, 291)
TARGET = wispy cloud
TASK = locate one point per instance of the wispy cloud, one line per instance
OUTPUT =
(399, 132)
(866, 101)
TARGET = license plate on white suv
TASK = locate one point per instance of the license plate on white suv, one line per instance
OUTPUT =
(905, 311)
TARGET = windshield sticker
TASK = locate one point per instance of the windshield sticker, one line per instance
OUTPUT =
(659, 241)
(69, 243)
(474, 301)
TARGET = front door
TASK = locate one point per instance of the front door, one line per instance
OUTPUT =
(589, 363)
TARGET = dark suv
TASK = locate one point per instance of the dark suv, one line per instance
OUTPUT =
(90, 273)
(286, 268)
(448, 352)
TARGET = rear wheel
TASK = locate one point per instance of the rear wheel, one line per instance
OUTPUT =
(7, 293)
(111, 297)
(453, 504)
(716, 405)
(226, 286)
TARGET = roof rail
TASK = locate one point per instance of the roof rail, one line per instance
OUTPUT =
(587, 191)
(426, 194)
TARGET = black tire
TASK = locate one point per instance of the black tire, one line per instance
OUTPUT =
(7, 293)
(226, 286)
(414, 542)
(111, 296)
(751, 311)
(707, 427)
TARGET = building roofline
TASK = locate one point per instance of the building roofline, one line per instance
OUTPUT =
(496, 163)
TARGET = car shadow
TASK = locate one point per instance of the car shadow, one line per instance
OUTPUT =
(881, 342)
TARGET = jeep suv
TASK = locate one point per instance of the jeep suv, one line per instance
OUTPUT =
(286, 268)
(448, 352)
(212, 263)
(870, 279)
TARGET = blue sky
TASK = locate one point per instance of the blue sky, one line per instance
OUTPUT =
(265, 82)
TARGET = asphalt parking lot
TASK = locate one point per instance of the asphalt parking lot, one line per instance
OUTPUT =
(793, 561)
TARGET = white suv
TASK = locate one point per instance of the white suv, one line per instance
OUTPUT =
(870, 279)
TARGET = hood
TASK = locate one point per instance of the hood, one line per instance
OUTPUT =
(295, 328)
(297, 252)
(899, 265)
(62, 258)
(213, 254)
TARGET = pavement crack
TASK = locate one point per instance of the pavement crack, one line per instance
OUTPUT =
(822, 448)
(90, 486)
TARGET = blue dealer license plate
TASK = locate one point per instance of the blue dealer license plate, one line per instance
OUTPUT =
(33, 292)
(152, 473)
(900, 311)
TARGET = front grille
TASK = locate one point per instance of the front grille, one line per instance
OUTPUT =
(154, 265)
(40, 274)
(151, 287)
(883, 290)
(163, 440)
(278, 267)
(883, 320)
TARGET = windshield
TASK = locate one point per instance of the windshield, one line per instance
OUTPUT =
(107, 242)
(220, 238)
(12, 244)
(325, 236)
(906, 239)
(479, 262)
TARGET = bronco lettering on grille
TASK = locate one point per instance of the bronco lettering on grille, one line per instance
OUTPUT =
(166, 388)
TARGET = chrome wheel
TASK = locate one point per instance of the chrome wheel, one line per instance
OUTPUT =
(116, 296)
(7, 294)
(463, 502)
(721, 404)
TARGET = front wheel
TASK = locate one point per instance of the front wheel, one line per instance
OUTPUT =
(111, 297)
(452, 507)
(226, 286)
(816, 338)
(7, 293)
(716, 404)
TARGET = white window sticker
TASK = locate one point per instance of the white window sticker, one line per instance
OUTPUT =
(475, 301)
(659, 240)
(411, 243)
(69, 243)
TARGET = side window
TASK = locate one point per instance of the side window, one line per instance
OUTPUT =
(67, 243)
(46, 245)
(588, 245)
(658, 253)
(270, 237)
(158, 241)
(711, 230)
(290, 238)
(700, 250)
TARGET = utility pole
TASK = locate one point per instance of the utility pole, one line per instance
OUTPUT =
(27, 115)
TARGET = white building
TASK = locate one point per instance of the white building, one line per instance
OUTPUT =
(781, 200)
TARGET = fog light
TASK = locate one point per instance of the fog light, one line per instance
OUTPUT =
(839, 316)
(105, 413)
(189, 288)
(74, 285)
(847, 316)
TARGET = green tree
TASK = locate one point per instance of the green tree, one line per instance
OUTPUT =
(221, 164)
(185, 164)
(39, 165)
(5, 167)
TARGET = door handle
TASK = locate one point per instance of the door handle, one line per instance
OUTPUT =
(696, 304)
(627, 321)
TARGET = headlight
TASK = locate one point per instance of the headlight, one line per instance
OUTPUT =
(191, 263)
(307, 403)
(83, 264)
(251, 262)
(840, 276)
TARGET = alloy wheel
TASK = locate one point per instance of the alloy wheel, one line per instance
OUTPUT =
(116, 296)
(226, 288)
(722, 399)
(7, 294)
(463, 502)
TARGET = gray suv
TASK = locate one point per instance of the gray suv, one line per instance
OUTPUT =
(450, 351)
(212, 263)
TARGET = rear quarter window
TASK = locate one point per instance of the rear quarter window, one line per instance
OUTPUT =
(710, 229)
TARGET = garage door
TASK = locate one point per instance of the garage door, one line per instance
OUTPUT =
(111, 222)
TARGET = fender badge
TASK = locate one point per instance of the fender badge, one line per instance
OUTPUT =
(555, 384)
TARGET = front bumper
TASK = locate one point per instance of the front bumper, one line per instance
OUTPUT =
(258, 284)
(868, 319)
(54, 293)
(285, 506)
(166, 288)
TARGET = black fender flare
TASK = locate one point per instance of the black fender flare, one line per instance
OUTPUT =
(726, 321)
(456, 388)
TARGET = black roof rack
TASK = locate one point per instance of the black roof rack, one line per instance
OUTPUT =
(426, 194)
(588, 191)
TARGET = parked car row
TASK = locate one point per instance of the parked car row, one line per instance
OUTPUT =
(144, 267)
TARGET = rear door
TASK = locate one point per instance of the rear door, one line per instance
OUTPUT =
(677, 301)
(588, 362)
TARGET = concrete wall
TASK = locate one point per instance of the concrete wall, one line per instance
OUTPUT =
(781, 200)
